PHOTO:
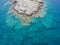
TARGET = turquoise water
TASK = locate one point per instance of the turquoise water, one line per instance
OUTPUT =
(44, 31)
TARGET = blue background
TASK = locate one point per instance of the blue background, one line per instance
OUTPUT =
(44, 31)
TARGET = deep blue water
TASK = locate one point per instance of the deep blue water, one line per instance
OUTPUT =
(45, 31)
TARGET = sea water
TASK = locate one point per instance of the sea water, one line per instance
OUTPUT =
(43, 31)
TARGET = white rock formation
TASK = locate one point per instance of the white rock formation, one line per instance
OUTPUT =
(27, 9)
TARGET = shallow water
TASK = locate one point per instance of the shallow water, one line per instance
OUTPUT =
(43, 31)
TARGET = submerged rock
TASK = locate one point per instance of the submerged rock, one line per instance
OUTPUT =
(26, 10)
